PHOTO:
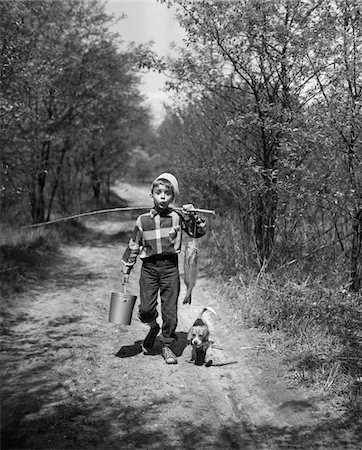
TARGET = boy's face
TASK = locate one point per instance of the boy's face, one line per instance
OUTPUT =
(162, 196)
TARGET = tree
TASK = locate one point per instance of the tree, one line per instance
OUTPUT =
(337, 70)
(253, 56)
(286, 77)
(70, 100)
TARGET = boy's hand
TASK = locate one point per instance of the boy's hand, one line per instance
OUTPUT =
(188, 209)
(124, 278)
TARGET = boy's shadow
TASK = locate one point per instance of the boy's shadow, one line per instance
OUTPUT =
(181, 342)
(126, 351)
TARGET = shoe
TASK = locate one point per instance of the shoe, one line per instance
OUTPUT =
(149, 340)
(168, 355)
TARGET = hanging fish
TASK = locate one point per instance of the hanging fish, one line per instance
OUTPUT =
(190, 269)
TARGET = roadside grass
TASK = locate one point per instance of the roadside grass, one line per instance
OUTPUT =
(24, 255)
(27, 254)
(304, 312)
(319, 332)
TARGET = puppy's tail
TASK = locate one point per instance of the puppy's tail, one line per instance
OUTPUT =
(207, 308)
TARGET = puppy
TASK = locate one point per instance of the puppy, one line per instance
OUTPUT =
(199, 339)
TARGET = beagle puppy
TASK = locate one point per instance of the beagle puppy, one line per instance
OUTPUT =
(199, 339)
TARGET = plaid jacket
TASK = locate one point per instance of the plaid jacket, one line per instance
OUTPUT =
(159, 234)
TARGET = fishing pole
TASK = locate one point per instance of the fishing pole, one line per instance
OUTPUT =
(110, 210)
(196, 210)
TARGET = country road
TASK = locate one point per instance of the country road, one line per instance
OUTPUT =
(72, 380)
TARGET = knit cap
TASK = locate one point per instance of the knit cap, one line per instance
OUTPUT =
(172, 179)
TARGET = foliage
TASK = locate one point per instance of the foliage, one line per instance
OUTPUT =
(70, 104)
(268, 121)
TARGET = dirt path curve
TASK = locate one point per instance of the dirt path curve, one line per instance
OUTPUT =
(72, 380)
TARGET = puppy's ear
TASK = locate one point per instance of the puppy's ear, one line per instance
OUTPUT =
(189, 334)
(206, 335)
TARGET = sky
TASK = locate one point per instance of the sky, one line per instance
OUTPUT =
(148, 20)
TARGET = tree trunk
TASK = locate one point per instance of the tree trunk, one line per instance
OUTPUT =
(38, 206)
(37, 198)
(96, 181)
(356, 254)
(57, 177)
(96, 186)
(108, 190)
(264, 228)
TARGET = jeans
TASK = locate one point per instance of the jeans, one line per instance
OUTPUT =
(160, 274)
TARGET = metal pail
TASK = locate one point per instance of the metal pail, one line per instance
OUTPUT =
(121, 308)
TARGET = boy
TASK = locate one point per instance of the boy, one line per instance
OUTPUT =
(157, 238)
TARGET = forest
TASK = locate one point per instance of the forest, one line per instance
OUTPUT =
(265, 127)
(71, 107)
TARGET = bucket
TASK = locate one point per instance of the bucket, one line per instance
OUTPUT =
(121, 308)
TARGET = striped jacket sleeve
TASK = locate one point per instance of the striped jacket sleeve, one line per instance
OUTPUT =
(133, 248)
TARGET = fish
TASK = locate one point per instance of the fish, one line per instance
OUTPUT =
(190, 269)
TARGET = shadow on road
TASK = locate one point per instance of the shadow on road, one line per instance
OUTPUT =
(127, 351)
(79, 423)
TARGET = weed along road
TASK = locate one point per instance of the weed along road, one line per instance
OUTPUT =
(72, 380)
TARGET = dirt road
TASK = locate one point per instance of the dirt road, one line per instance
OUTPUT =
(72, 380)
